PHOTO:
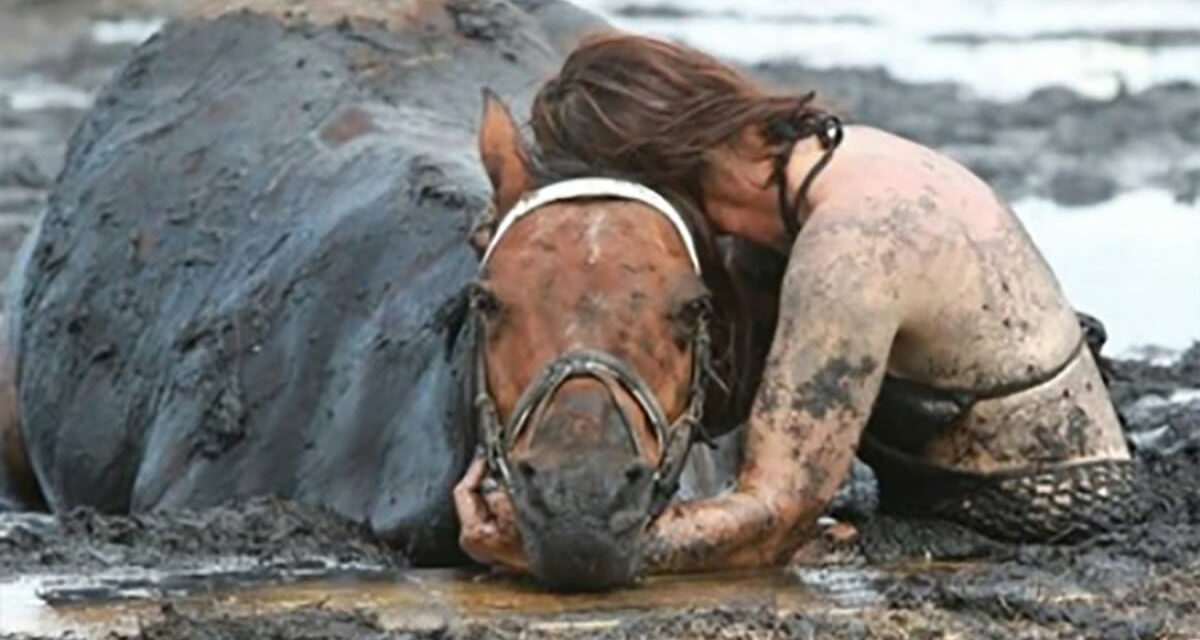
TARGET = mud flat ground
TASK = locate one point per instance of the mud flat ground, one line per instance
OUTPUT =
(269, 568)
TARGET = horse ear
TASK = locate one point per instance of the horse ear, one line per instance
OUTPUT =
(503, 154)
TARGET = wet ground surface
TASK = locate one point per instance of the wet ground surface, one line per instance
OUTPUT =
(267, 568)
(272, 569)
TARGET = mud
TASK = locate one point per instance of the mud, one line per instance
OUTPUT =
(894, 579)
(1140, 583)
(729, 623)
(308, 623)
(267, 531)
(1137, 583)
(281, 310)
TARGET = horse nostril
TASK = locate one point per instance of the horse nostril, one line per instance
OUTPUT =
(635, 472)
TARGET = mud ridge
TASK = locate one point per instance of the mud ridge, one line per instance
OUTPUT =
(726, 623)
(306, 623)
(268, 531)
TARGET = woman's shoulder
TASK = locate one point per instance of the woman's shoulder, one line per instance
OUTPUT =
(863, 140)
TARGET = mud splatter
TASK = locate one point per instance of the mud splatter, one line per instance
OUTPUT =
(827, 391)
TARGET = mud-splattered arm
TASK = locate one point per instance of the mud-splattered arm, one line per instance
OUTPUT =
(839, 312)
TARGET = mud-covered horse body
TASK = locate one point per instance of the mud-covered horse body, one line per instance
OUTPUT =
(249, 279)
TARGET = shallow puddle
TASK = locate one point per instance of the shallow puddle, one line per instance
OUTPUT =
(52, 605)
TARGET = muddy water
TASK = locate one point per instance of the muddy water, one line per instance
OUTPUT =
(124, 601)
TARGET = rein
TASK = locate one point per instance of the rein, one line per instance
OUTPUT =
(674, 438)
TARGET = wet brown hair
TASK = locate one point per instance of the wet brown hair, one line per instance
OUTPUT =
(653, 110)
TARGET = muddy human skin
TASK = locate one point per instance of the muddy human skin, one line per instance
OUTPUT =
(906, 270)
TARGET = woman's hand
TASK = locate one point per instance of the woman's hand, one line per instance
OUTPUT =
(488, 525)
(735, 531)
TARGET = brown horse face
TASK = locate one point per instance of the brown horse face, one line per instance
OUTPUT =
(604, 275)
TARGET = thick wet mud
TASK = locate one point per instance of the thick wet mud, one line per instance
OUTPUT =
(270, 568)
(1140, 582)
(266, 532)
(250, 276)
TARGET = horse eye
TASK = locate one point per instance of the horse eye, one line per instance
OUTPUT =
(690, 312)
(685, 319)
(484, 301)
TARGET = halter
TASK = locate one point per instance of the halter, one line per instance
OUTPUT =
(674, 438)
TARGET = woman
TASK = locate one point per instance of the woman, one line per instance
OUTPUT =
(918, 325)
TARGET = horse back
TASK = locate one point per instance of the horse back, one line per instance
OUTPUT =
(249, 279)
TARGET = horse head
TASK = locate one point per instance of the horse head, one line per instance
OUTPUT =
(593, 341)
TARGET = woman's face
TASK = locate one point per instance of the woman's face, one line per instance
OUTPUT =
(740, 198)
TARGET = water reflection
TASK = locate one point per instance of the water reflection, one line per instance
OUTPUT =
(122, 601)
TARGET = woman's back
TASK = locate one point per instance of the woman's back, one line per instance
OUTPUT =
(985, 326)
(984, 309)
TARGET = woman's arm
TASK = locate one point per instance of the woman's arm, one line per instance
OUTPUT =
(839, 312)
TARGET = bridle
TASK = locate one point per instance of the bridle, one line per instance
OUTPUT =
(674, 438)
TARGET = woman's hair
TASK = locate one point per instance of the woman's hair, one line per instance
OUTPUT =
(652, 110)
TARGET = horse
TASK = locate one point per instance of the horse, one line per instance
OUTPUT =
(262, 271)
(592, 294)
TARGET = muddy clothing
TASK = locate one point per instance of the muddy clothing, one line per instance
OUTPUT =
(250, 276)
(1053, 504)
